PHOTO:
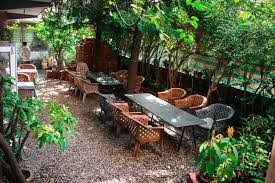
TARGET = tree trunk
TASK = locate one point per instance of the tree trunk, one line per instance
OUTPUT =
(132, 70)
(16, 171)
(97, 46)
(271, 168)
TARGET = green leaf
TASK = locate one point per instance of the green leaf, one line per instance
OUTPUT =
(51, 138)
(234, 160)
(42, 140)
(61, 142)
(210, 168)
(198, 6)
(189, 39)
(188, 2)
(202, 156)
(217, 151)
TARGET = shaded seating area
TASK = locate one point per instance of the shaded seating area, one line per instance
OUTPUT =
(136, 124)
(26, 79)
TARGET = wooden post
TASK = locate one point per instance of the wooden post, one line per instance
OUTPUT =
(270, 175)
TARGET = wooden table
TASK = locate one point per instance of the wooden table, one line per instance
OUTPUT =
(166, 112)
(32, 73)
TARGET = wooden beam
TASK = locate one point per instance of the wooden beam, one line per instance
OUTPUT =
(19, 16)
(19, 4)
(270, 175)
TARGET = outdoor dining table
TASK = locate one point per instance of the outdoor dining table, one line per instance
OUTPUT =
(104, 79)
(32, 73)
(108, 84)
(168, 113)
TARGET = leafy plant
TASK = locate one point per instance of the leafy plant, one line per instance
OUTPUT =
(260, 126)
(48, 122)
(218, 158)
(253, 159)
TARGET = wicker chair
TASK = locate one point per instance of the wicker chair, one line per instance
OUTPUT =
(27, 66)
(172, 94)
(82, 68)
(119, 119)
(143, 133)
(21, 77)
(216, 116)
(70, 78)
(192, 102)
(76, 84)
(119, 75)
(86, 87)
(139, 81)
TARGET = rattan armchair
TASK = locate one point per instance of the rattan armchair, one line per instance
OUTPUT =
(116, 111)
(192, 102)
(216, 116)
(21, 77)
(172, 94)
(86, 87)
(70, 78)
(139, 81)
(27, 66)
(119, 75)
(143, 133)
(82, 68)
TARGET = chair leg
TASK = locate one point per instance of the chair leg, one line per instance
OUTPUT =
(136, 149)
(130, 140)
(118, 130)
(194, 137)
(75, 90)
(161, 145)
(80, 94)
(84, 97)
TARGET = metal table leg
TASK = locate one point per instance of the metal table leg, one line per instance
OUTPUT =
(194, 137)
(181, 139)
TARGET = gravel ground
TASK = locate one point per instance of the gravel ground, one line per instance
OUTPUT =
(94, 154)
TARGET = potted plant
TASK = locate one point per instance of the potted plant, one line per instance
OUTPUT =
(47, 123)
(218, 158)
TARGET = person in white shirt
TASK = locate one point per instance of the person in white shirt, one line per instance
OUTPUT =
(25, 53)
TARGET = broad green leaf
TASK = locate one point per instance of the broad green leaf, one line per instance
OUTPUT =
(51, 138)
(210, 166)
(203, 154)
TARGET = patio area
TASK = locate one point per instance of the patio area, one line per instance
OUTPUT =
(94, 154)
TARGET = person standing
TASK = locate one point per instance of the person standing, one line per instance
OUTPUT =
(25, 53)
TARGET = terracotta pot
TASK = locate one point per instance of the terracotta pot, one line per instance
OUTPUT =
(28, 174)
(194, 177)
